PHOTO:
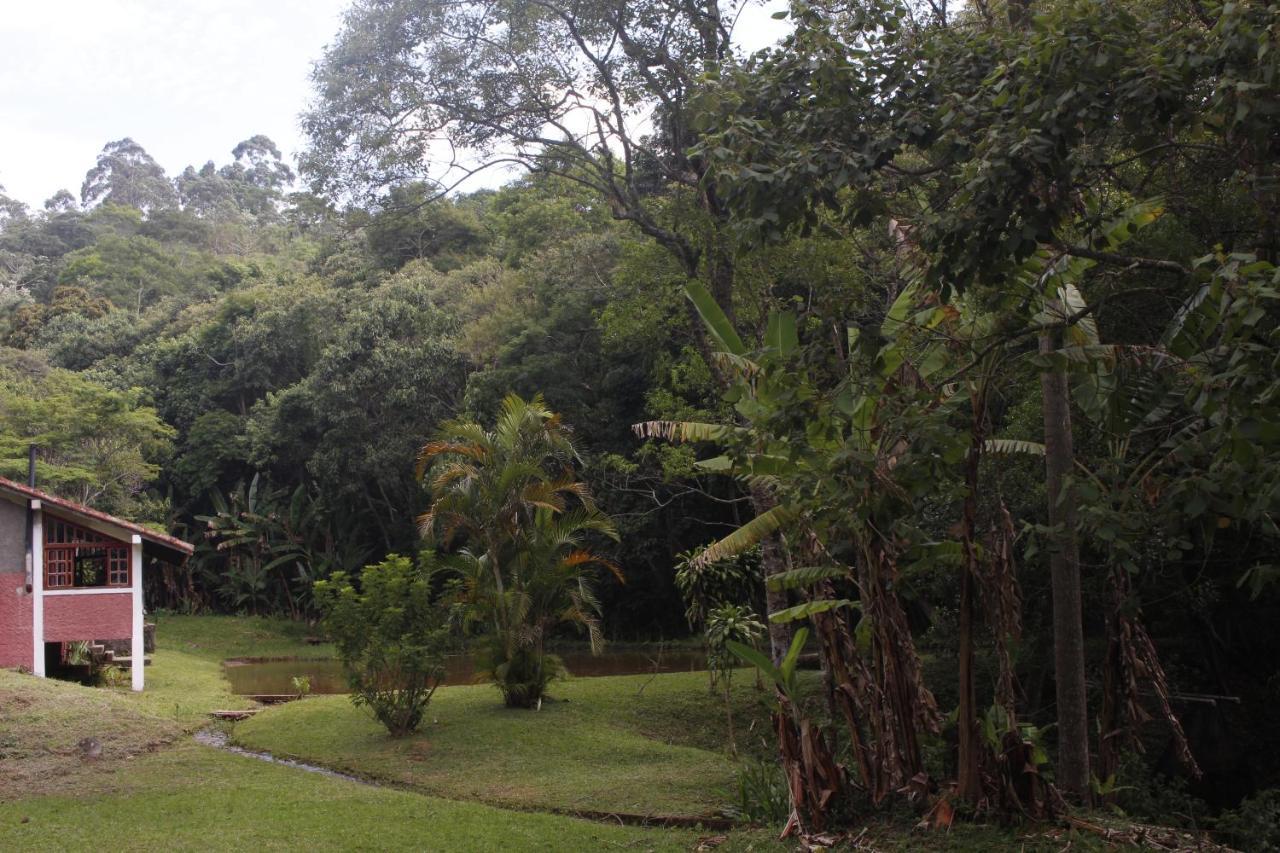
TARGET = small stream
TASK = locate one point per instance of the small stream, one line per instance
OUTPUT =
(221, 740)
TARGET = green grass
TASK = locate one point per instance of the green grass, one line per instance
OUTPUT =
(43, 720)
(216, 638)
(195, 798)
(631, 744)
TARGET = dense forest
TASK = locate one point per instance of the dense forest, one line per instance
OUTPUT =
(950, 335)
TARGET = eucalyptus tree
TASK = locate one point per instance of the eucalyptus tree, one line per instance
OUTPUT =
(125, 174)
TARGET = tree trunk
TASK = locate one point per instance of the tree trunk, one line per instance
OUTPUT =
(1072, 771)
(969, 761)
(772, 562)
(968, 768)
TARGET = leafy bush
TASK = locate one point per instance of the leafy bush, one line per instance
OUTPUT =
(1255, 823)
(391, 638)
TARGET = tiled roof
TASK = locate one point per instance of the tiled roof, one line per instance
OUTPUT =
(171, 543)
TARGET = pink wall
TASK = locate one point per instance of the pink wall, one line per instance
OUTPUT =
(15, 620)
(88, 617)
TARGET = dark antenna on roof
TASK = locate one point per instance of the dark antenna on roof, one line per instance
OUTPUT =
(31, 466)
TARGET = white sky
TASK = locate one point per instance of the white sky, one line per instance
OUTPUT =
(187, 79)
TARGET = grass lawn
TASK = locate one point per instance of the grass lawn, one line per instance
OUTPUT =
(640, 745)
(168, 793)
(216, 638)
(195, 798)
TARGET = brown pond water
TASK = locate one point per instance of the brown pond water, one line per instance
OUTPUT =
(255, 677)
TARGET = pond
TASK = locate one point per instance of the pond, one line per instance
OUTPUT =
(274, 676)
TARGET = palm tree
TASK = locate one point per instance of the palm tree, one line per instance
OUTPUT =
(511, 494)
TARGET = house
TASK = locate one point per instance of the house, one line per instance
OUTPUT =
(70, 573)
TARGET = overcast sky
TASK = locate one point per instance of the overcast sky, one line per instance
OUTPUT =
(187, 79)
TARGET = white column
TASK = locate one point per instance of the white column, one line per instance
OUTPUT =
(37, 589)
(137, 652)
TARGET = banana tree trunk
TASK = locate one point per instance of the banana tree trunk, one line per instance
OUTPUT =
(1072, 772)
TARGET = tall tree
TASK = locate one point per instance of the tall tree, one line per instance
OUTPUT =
(126, 174)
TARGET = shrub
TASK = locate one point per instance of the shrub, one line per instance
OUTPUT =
(391, 638)
(1255, 823)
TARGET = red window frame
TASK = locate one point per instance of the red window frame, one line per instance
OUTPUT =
(67, 543)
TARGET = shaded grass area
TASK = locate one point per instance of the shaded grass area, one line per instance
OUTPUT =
(638, 745)
(195, 798)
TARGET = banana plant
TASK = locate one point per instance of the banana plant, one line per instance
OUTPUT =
(783, 674)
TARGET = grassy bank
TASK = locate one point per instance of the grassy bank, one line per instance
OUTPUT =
(172, 794)
(633, 744)
(42, 721)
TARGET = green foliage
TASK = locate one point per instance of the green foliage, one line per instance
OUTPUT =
(413, 225)
(97, 445)
(784, 674)
(391, 638)
(762, 793)
(728, 622)
(1255, 824)
(265, 548)
(707, 585)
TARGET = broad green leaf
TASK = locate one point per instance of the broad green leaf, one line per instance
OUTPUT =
(788, 666)
(754, 658)
(781, 332)
(747, 536)
(717, 464)
(714, 317)
(809, 608)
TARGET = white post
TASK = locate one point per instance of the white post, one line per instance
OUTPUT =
(37, 589)
(137, 652)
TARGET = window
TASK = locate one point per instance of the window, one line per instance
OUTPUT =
(76, 557)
